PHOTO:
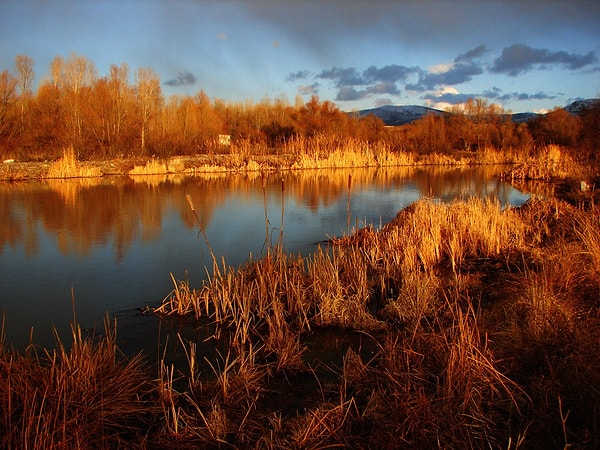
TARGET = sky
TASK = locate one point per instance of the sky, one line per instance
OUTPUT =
(525, 55)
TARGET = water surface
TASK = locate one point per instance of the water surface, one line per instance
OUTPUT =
(109, 245)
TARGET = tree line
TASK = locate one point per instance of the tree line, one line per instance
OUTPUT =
(110, 116)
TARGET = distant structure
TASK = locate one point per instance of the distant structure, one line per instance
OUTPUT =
(225, 140)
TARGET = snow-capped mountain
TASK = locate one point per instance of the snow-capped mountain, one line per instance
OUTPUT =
(393, 115)
(400, 115)
(577, 107)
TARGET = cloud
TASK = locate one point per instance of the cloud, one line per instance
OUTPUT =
(520, 58)
(436, 83)
(462, 70)
(305, 89)
(382, 102)
(300, 75)
(183, 79)
(450, 98)
(391, 73)
(522, 96)
(458, 73)
(349, 93)
(472, 54)
(354, 85)
(453, 97)
(343, 77)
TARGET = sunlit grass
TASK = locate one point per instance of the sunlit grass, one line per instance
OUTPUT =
(69, 167)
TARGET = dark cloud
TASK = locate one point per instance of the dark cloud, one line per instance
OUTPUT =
(356, 85)
(183, 79)
(519, 58)
(522, 96)
(448, 97)
(349, 93)
(456, 74)
(381, 82)
(391, 73)
(463, 70)
(343, 77)
(471, 54)
(300, 75)
(495, 94)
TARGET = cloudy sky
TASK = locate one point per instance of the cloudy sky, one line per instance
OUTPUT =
(525, 55)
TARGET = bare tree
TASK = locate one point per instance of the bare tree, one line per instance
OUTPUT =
(148, 92)
(24, 66)
(78, 73)
(8, 84)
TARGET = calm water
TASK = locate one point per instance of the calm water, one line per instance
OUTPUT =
(109, 245)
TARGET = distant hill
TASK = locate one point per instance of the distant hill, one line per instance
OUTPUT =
(396, 115)
(577, 107)
(400, 115)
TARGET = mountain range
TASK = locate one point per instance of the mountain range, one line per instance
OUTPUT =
(393, 115)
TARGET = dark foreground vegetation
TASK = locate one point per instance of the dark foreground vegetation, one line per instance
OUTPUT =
(454, 326)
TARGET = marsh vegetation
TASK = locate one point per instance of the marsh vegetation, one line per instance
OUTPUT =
(461, 325)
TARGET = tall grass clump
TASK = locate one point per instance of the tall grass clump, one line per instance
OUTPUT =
(69, 167)
(85, 396)
(152, 167)
(552, 162)
(321, 152)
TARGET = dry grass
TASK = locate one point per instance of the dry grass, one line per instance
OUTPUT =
(482, 326)
(552, 163)
(458, 361)
(83, 397)
(69, 167)
(152, 167)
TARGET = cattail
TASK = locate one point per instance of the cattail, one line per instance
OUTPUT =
(188, 197)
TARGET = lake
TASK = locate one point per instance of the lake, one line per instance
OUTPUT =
(108, 245)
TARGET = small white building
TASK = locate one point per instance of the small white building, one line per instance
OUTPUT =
(225, 140)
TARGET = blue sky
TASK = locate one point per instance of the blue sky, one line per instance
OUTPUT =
(525, 55)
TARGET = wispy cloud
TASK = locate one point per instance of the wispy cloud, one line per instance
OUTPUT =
(520, 58)
(183, 79)
(308, 89)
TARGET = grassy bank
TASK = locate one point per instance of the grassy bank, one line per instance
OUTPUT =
(456, 326)
(297, 154)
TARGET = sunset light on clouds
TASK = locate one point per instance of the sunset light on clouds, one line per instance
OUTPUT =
(526, 56)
